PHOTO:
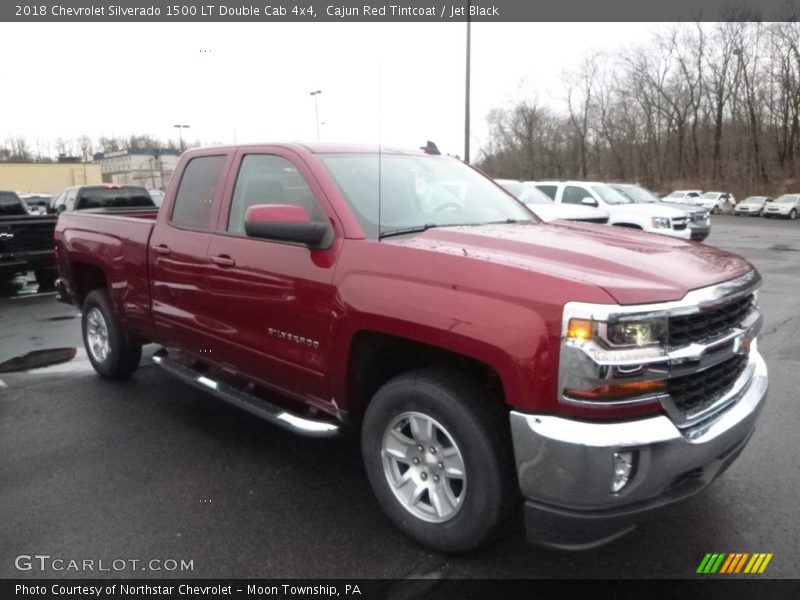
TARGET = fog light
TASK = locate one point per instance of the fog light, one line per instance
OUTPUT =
(623, 469)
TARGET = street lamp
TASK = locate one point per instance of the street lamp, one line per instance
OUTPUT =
(180, 133)
(316, 108)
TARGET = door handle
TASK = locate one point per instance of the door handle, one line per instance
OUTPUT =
(223, 261)
(162, 249)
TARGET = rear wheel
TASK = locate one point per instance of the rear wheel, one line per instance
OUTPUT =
(436, 451)
(112, 355)
(793, 214)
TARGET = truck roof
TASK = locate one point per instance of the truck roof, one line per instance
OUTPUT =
(325, 148)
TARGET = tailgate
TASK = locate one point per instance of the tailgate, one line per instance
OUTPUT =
(26, 234)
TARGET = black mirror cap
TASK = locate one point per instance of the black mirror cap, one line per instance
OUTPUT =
(317, 235)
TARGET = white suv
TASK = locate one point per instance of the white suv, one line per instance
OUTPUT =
(623, 211)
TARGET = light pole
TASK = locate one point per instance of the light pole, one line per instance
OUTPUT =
(467, 82)
(180, 133)
(316, 108)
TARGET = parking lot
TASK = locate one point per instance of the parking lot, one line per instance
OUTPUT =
(154, 469)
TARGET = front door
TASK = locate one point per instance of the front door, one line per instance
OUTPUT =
(273, 300)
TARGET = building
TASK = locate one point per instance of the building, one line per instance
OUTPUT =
(47, 178)
(150, 168)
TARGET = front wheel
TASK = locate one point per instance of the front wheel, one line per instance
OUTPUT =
(112, 355)
(437, 454)
(793, 214)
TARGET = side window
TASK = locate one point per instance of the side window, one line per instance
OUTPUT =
(550, 190)
(574, 195)
(197, 191)
(269, 179)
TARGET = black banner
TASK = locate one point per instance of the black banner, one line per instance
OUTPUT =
(396, 10)
(402, 589)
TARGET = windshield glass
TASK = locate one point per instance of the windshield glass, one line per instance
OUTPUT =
(638, 194)
(786, 199)
(610, 195)
(754, 200)
(418, 192)
(677, 195)
(116, 197)
(711, 195)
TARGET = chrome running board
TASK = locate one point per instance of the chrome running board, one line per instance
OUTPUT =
(252, 404)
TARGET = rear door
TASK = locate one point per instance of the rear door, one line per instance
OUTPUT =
(178, 249)
(272, 300)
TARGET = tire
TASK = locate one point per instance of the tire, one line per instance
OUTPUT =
(715, 210)
(112, 355)
(453, 513)
(793, 214)
(46, 278)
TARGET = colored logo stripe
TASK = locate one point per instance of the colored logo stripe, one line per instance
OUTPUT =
(721, 562)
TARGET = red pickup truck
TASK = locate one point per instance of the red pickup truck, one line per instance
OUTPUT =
(484, 356)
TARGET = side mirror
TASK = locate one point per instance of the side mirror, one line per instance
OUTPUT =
(589, 201)
(286, 223)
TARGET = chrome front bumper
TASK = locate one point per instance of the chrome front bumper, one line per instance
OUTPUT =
(565, 467)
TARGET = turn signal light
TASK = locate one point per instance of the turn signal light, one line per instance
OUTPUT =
(580, 329)
(618, 391)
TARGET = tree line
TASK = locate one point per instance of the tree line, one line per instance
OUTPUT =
(17, 149)
(701, 105)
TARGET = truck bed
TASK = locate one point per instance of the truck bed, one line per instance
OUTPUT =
(114, 244)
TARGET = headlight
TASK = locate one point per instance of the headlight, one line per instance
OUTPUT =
(619, 334)
(660, 223)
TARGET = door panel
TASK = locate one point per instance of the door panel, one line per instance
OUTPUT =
(177, 255)
(272, 301)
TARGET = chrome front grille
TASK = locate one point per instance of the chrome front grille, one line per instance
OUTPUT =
(709, 324)
(695, 392)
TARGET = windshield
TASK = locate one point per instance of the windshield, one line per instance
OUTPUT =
(677, 195)
(116, 197)
(711, 195)
(610, 195)
(754, 200)
(638, 194)
(418, 192)
(786, 199)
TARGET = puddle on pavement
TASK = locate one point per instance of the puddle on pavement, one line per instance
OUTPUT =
(49, 361)
(38, 359)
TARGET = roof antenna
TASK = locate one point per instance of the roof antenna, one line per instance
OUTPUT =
(430, 148)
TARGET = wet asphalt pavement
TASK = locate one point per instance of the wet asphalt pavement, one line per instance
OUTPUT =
(155, 469)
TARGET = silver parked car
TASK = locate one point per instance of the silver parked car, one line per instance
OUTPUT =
(752, 206)
(786, 206)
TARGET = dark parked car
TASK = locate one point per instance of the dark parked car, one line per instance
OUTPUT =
(26, 241)
(109, 195)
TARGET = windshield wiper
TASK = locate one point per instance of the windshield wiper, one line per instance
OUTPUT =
(405, 230)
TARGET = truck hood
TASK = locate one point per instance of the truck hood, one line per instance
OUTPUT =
(632, 266)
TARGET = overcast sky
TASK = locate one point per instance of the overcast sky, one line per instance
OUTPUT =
(402, 83)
